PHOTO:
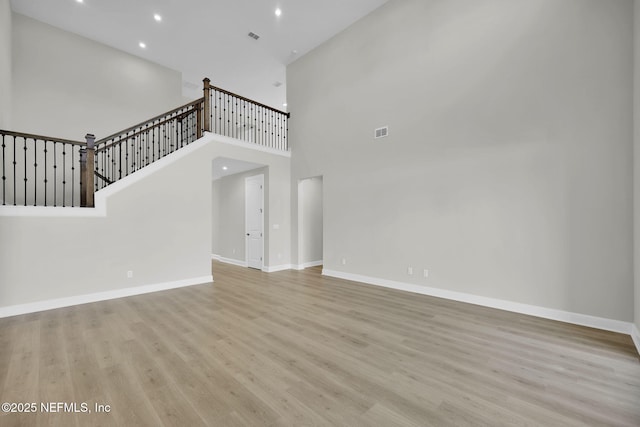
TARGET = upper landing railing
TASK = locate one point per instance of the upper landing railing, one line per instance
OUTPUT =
(45, 171)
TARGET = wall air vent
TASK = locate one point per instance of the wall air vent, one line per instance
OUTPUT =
(382, 132)
(253, 36)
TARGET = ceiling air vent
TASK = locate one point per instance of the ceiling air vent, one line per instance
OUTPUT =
(253, 36)
(382, 132)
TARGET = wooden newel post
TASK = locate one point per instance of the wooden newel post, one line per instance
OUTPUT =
(87, 165)
(207, 104)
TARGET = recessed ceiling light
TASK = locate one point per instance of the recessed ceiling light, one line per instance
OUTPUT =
(157, 17)
(80, 1)
(142, 45)
(284, 105)
(224, 168)
(278, 12)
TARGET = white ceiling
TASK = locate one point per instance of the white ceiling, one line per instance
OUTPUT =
(208, 38)
(224, 166)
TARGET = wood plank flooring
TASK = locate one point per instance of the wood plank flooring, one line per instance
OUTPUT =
(299, 349)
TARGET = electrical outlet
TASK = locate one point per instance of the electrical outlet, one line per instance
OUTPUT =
(129, 274)
(410, 271)
(344, 261)
(426, 273)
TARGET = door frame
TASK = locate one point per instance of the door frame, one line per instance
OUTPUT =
(259, 177)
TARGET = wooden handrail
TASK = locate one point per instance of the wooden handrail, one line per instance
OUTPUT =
(249, 100)
(104, 140)
(41, 137)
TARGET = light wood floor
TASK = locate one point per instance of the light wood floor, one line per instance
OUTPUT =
(299, 349)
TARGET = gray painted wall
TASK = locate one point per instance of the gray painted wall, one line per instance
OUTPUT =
(311, 213)
(5, 64)
(636, 167)
(65, 85)
(160, 228)
(508, 169)
(229, 191)
(215, 217)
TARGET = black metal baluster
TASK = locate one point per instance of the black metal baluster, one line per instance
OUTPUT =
(264, 127)
(228, 124)
(175, 141)
(80, 179)
(235, 118)
(153, 145)
(271, 127)
(24, 145)
(64, 174)
(164, 139)
(108, 167)
(4, 173)
(104, 165)
(73, 175)
(146, 143)
(35, 172)
(45, 173)
(254, 125)
(133, 152)
(244, 123)
(55, 175)
(211, 101)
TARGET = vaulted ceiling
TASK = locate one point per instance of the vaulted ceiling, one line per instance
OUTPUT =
(209, 38)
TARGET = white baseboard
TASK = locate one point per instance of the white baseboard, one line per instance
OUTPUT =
(231, 261)
(266, 268)
(635, 336)
(306, 265)
(312, 264)
(275, 268)
(532, 310)
(33, 307)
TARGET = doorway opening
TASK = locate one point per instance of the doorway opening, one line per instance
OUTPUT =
(310, 222)
(229, 240)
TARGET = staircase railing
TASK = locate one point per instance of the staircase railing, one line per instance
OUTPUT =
(47, 171)
(242, 118)
(40, 170)
(125, 152)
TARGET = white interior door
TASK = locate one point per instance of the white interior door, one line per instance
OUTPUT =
(254, 220)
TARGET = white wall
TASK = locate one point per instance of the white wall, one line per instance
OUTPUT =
(311, 216)
(636, 165)
(229, 191)
(159, 227)
(508, 170)
(65, 85)
(215, 217)
(5, 64)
